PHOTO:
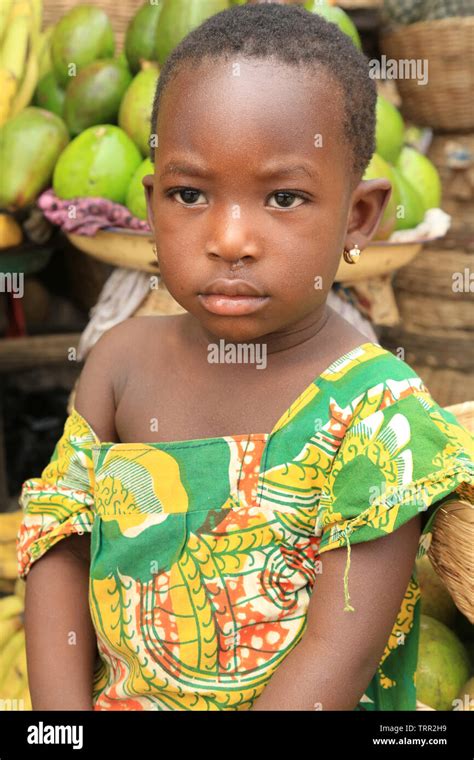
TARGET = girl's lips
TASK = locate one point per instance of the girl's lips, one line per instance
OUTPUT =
(235, 306)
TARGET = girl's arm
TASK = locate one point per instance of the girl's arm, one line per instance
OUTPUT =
(61, 644)
(60, 639)
(339, 653)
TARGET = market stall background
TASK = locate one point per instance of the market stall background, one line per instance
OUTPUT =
(81, 247)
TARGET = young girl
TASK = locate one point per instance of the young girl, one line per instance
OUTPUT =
(223, 469)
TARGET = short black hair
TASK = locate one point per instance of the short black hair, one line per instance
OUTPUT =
(292, 35)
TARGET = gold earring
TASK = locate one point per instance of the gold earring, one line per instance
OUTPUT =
(156, 254)
(352, 256)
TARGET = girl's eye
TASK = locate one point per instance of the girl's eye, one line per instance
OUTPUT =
(188, 195)
(286, 198)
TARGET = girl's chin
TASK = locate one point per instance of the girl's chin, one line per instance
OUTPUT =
(234, 329)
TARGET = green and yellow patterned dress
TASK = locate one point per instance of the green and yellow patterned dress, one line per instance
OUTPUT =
(204, 553)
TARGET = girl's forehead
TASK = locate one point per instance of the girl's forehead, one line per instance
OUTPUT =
(248, 87)
(253, 104)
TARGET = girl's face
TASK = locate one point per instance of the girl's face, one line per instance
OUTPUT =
(253, 182)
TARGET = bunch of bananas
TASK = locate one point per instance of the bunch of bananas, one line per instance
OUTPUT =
(10, 232)
(9, 526)
(21, 43)
(14, 691)
(14, 694)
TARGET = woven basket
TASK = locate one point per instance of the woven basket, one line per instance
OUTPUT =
(451, 549)
(426, 314)
(431, 273)
(464, 413)
(445, 102)
(451, 553)
(451, 351)
(436, 320)
(119, 13)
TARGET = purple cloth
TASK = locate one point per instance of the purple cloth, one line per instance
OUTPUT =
(90, 214)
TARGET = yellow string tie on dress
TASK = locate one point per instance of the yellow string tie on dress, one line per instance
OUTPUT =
(348, 607)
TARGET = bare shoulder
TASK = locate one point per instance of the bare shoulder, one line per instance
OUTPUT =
(137, 334)
(344, 336)
(107, 366)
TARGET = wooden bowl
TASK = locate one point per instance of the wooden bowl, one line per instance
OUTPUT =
(133, 249)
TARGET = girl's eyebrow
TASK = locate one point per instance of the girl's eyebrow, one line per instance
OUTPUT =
(193, 170)
(281, 169)
(273, 169)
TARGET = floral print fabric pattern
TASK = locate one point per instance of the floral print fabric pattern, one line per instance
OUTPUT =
(204, 553)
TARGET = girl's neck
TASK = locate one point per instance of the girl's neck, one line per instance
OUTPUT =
(290, 337)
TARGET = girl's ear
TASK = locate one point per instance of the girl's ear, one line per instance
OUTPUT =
(368, 203)
(148, 185)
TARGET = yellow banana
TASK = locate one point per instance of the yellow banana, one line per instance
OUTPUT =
(30, 80)
(7, 586)
(20, 589)
(37, 12)
(8, 569)
(7, 556)
(20, 8)
(10, 606)
(8, 655)
(18, 675)
(9, 525)
(19, 57)
(24, 699)
(8, 88)
(15, 677)
(8, 628)
(11, 233)
(8, 560)
(5, 7)
(15, 46)
(8, 548)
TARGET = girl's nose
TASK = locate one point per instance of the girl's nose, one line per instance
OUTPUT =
(233, 239)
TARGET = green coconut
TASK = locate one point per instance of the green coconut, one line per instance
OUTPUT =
(178, 18)
(49, 94)
(136, 200)
(136, 107)
(443, 665)
(410, 212)
(380, 169)
(140, 40)
(101, 162)
(465, 698)
(436, 601)
(337, 16)
(80, 37)
(422, 174)
(94, 96)
(389, 130)
(30, 144)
